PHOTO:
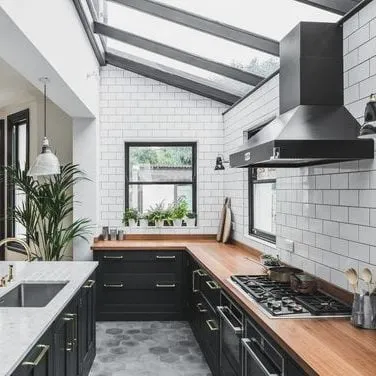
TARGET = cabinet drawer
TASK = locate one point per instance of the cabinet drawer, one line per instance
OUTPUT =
(210, 290)
(141, 281)
(139, 261)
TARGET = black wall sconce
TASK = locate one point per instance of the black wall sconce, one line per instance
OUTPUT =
(368, 129)
(219, 163)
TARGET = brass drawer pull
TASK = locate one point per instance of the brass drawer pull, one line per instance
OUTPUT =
(212, 325)
(116, 286)
(200, 309)
(158, 257)
(74, 327)
(200, 273)
(41, 355)
(68, 318)
(90, 283)
(213, 285)
(162, 286)
(113, 257)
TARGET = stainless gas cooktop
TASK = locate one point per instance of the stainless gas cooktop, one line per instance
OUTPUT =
(278, 300)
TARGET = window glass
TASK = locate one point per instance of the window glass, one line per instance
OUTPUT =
(158, 173)
(263, 203)
(191, 40)
(270, 18)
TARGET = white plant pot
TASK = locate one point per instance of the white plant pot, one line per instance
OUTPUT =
(178, 222)
(159, 223)
(132, 223)
(144, 223)
(191, 222)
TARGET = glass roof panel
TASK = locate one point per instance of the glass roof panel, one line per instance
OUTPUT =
(227, 84)
(190, 40)
(270, 18)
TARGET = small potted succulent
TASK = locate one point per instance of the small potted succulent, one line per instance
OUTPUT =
(130, 217)
(144, 220)
(157, 214)
(190, 219)
(179, 211)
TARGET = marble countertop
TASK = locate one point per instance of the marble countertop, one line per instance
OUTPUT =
(21, 328)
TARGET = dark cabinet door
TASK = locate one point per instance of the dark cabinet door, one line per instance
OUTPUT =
(86, 327)
(39, 362)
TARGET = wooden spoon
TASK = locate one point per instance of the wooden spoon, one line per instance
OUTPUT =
(352, 277)
(367, 278)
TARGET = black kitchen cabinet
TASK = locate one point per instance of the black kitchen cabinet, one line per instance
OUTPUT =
(140, 285)
(68, 346)
(39, 361)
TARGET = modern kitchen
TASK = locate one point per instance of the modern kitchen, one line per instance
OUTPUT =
(188, 188)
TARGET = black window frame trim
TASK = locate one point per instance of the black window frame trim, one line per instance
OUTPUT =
(127, 183)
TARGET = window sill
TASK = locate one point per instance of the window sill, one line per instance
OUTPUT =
(261, 241)
(161, 230)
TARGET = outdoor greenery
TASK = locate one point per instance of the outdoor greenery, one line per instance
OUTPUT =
(161, 156)
(46, 212)
(191, 215)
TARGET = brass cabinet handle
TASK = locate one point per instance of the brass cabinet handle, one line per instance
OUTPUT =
(41, 355)
(158, 257)
(170, 286)
(200, 273)
(200, 309)
(116, 286)
(74, 326)
(225, 312)
(212, 325)
(113, 257)
(90, 283)
(213, 285)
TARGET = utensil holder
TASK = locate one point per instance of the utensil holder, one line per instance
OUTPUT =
(364, 311)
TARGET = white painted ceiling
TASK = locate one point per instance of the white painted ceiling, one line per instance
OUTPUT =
(14, 88)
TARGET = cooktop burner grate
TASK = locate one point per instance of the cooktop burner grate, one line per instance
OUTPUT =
(279, 300)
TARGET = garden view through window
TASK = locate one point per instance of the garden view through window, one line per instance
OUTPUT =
(160, 173)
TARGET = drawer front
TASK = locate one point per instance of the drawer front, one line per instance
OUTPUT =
(211, 290)
(134, 262)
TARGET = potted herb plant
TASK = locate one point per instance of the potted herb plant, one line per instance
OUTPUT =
(144, 220)
(179, 211)
(157, 214)
(130, 217)
(190, 219)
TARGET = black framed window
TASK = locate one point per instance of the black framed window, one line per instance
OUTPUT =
(262, 203)
(160, 171)
(18, 144)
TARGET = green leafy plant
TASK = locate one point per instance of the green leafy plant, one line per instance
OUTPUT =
(130, 214)
(47, 210)
(158, 212)
(179, 209)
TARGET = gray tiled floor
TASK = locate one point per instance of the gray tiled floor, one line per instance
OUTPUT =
(147, 348)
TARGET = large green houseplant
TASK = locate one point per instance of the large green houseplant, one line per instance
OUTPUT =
(47, 210)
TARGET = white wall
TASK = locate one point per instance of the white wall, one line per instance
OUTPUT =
(328, 211)
(135, 108)
(49, 36)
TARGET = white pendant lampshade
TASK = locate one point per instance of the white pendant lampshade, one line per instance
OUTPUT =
(46, 162)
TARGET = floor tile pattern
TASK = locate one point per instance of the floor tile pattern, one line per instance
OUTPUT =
(147, 348)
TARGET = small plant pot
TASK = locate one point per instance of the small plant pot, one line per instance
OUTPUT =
(191, 222)
(159, 223)
(132, 223)
(178, 222)
(144, 223)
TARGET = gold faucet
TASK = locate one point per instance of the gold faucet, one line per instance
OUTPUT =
(19, 241)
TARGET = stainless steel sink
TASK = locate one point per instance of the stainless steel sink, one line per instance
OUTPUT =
(30, 294)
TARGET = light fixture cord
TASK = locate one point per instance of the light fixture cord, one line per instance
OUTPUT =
(45, 110)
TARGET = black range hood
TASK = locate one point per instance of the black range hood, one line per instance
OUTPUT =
(314, 127)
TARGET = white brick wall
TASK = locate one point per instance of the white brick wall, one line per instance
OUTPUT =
(329, 211)
(135, 108)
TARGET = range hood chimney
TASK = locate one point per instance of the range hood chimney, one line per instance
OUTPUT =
(314, 127)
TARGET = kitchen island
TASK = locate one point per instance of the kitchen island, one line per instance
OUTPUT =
(22, 327)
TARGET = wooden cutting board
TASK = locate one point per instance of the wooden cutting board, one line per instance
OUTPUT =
(227, 225)
(222, 221)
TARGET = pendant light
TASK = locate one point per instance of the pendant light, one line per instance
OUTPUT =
(368, 129)
(46, 162)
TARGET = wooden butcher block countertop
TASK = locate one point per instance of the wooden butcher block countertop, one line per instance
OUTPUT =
(327, 347)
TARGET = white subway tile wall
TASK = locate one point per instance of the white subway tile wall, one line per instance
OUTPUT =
(328, 211)
(136, 108)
